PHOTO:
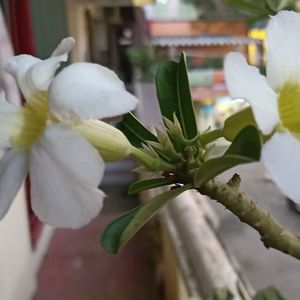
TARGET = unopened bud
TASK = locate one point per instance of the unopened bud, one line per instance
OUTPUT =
(111, 143)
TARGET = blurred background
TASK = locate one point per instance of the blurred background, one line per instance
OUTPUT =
(132, 37)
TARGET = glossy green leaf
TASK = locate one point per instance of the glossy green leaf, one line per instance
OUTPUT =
(166, 88)
(268, 294)
(245, 148)
(185, 102)
(146, 184)
(174, 95)
(135, 131)
(236, 122)
(121, 230)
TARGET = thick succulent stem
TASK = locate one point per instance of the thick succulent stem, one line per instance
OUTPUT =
(273, 235)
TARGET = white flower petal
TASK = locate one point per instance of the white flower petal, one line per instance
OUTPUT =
(65, 171)
(7, 114)
(86, 90)
(13, 169)
(283, 42)
(33, 74)
(64, 47)
(281, 158)
(18, 66)
(245, 82)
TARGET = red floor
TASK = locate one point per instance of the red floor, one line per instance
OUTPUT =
(76, 268)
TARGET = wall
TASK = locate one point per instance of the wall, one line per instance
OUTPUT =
(50, 25)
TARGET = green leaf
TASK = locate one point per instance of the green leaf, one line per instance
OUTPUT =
(268, 294)
(286, 4)
(185, 103)
(135, 131)
(121, 230)
(220, 294)
(249, 6)
(174, 95)
(245, 148)
(142, 185)
(236, 122)
(247, 144)
(166, 88)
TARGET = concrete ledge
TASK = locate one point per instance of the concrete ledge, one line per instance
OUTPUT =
(200, 257)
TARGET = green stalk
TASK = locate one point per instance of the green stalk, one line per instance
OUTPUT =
(273, 235)
(151, 163)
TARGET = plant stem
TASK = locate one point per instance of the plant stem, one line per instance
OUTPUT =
(273, 235)
(210, 136)
(151, 163)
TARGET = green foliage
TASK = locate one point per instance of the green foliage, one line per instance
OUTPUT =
(141, 59)
(268, 294)
(236, 122)
(245, 148)
(212, 63)
(174, 95)
(261, 9)
(146, 60)
(179, 152)
(220, 294)
(121, 230)
(265, 294)
(214, 9)
(146, 184)
(135, 131)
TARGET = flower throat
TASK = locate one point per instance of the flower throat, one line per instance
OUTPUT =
(289, 107)
(30, 122)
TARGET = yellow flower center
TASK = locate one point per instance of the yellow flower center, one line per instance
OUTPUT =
(32, 119)
(30, 122)
(289, 108)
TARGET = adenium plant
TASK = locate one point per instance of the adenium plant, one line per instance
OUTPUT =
(58, 139)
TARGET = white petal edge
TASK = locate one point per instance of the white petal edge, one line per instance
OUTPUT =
(283, 48)
(65, 171)
(13, 170)
(8, 113)
(32, 74)
(281, 158)
(245, 82)
(87, 90)
(18, 66)
(65, 46)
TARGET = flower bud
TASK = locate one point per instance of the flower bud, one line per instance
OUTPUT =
(111, 143)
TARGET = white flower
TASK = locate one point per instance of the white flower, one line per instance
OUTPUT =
(45, 138)
(275, 99)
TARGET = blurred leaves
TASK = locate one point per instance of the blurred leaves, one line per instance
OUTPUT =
(213, 9)
(260, 10)
(253, 10)
(265, 294)
(268, 294)
(220, 294)
(146, 60)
